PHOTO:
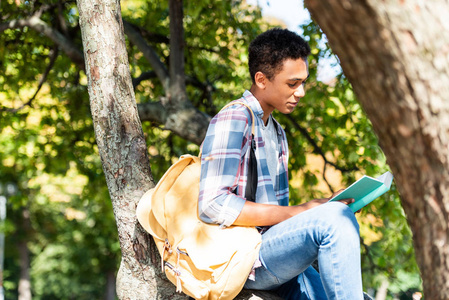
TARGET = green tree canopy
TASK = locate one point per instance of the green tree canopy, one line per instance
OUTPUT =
(61, 208)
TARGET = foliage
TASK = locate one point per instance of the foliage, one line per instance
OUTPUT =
(48, 144)
(48, 149)
(49, 154)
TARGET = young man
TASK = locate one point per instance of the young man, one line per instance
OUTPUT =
(292, 236)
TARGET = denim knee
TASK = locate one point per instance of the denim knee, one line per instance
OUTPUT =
(339, 218)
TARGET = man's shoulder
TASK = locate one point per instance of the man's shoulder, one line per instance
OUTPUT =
(240, 106)
(250, 101)
(233, 112)
(234, 108)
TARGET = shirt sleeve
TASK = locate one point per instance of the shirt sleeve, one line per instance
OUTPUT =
(221, 163)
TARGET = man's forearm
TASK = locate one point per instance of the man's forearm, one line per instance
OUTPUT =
(257, 214)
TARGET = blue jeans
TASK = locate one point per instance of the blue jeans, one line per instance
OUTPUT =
(329, 232)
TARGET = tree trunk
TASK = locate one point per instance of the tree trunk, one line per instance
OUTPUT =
(382, 291)
(395, 54)
(110, 286)
(24, 288)
(122, 148)
(120, 141)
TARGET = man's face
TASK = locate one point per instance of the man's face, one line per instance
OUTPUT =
(285, 89)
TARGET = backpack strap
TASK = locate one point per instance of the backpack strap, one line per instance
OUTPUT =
(251, 185)
(250, 110)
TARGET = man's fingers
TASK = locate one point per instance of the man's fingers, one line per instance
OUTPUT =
(347, 201)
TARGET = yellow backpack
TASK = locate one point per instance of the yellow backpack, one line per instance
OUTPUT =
(203, 260)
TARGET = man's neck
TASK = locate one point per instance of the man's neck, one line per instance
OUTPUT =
(258, 94)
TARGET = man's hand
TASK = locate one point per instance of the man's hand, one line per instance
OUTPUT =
(315, 202)
(345, 201)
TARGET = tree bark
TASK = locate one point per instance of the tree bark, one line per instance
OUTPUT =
(395, 54)
(120, 140)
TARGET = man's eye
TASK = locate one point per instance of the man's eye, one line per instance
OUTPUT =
(293, 85)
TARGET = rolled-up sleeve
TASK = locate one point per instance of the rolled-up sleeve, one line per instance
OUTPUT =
(221, 163)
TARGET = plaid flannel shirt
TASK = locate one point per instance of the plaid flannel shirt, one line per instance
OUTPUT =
(224, 164)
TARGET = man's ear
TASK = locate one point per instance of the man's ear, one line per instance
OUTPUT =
(260, 80)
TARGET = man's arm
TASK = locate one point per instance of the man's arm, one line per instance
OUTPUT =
(220, 166)
(257, 214)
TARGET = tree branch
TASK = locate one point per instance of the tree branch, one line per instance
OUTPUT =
(188, 123)
(369, 255)
(152, 112)
(151, 36)
(177, 95)
(207, 88)
(183, 119)
(325, 179)
(34, 22)
(53, 56)
(144, 76)
(148, 52)
(61, 20)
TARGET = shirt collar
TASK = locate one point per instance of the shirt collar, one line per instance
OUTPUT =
(257, 109)
(253, 103)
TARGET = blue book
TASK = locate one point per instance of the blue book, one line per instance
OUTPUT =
(365, 190)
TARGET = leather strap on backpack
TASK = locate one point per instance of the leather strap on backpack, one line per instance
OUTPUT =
(251, 185)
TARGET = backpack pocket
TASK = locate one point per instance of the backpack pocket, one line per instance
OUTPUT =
(186, 283)
(211, 248)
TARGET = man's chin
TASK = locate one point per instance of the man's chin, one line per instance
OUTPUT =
(288, 110)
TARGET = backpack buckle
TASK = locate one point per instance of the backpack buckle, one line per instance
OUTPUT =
(167, 247)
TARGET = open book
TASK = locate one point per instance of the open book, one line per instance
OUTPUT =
(365, 190)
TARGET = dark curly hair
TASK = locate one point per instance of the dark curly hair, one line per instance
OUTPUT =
(269, 50)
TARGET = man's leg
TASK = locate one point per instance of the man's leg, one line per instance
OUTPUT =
(329, 232)
(306, 286)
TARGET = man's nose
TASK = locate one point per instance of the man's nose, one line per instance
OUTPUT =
(300, 92)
